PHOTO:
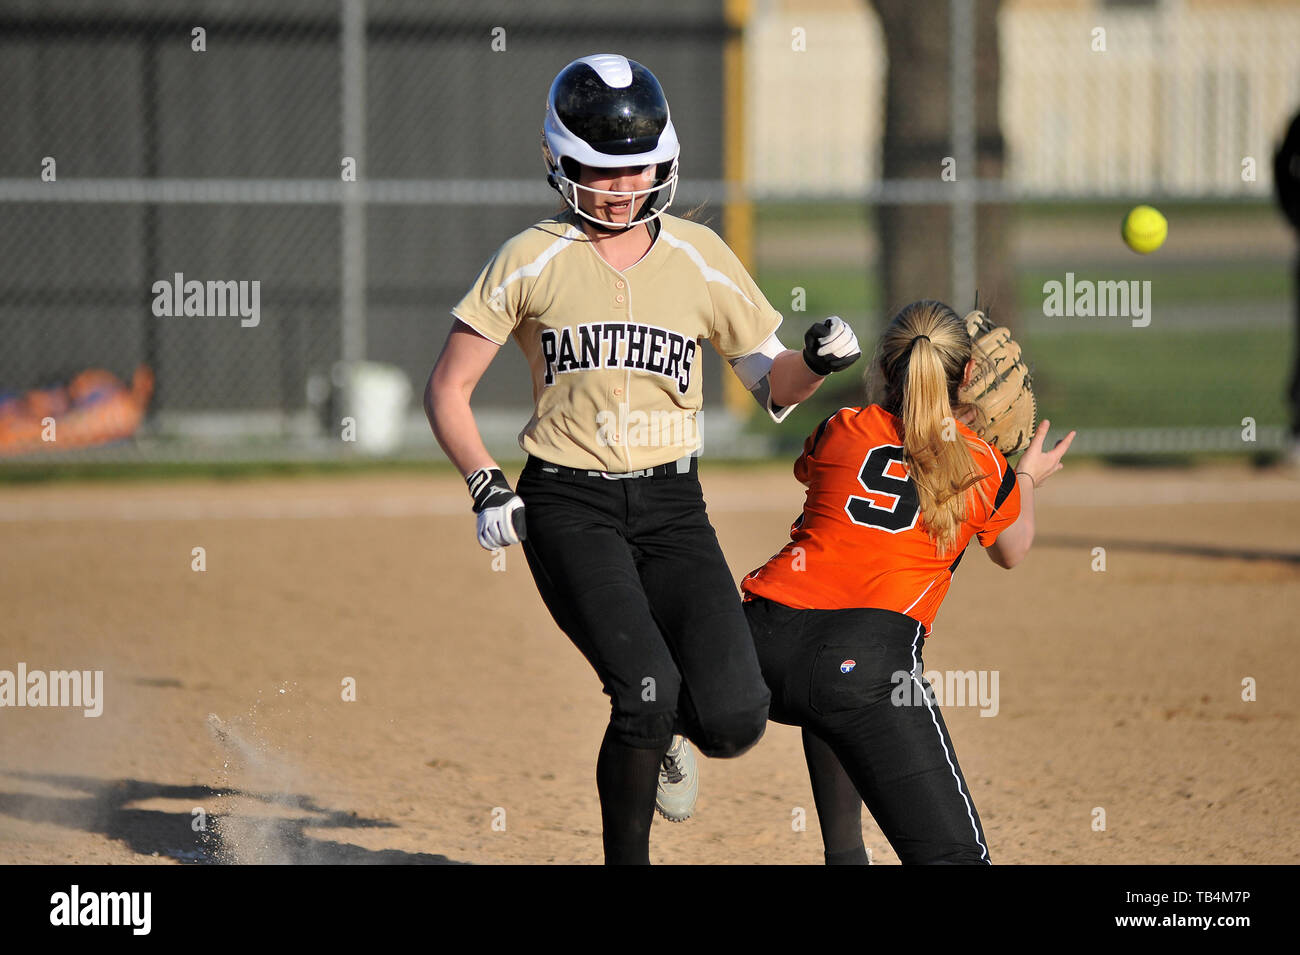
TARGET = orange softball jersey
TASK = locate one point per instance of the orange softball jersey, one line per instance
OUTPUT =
(861, 539)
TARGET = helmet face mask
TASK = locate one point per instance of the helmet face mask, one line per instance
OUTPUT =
(609, 112)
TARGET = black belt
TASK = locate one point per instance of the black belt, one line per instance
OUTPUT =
(687, 466)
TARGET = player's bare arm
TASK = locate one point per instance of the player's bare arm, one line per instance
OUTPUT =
(465, 357)
(1034, 467)
(792, 380)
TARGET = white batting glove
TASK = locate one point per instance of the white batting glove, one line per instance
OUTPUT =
(830, 346)
(500, 510)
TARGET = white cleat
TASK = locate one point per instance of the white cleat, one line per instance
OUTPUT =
(679, 782)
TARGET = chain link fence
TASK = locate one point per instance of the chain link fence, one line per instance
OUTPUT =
(345, 168)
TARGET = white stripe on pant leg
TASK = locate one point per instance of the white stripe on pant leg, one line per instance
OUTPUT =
(984, 852)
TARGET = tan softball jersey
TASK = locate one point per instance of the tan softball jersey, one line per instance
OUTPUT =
(615, 356)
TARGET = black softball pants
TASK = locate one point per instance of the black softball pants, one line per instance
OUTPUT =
(853, 680)
(631, 571)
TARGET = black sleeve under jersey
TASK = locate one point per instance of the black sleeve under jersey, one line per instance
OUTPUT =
(1008, 482)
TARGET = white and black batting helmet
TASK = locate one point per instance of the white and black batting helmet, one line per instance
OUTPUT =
(608, 112)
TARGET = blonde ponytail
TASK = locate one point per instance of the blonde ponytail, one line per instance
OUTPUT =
(922, 358)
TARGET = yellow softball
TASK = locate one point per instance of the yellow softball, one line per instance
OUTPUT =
(1145, 229)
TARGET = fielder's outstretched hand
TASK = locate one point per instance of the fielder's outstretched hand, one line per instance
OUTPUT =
(1040, 464)
(830, 346)
(500, 510)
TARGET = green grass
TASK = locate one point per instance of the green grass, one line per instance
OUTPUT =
(1177, 284)
(827, 292)
(1091, 376)
(1120, 378)
(847, 292)
(1170, 378)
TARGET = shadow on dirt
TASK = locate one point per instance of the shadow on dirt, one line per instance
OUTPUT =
(103, 807)
(1170, 547)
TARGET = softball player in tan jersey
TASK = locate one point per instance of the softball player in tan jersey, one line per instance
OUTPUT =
(610, 301)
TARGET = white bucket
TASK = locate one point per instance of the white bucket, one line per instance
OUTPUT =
(375, 396)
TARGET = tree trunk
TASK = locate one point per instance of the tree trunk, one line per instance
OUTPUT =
(916, 240)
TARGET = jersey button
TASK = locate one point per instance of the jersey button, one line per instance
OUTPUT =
(619, 299)
(618, 391)
(620, 284)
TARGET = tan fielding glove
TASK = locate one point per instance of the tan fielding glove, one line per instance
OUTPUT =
(1000, 386)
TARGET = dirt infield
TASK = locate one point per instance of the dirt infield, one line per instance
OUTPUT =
(224, 734)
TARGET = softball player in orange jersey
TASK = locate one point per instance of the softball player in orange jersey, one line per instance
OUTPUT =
(896, 491)
(609, 301)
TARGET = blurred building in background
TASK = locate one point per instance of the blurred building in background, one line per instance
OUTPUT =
(1180, 94)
